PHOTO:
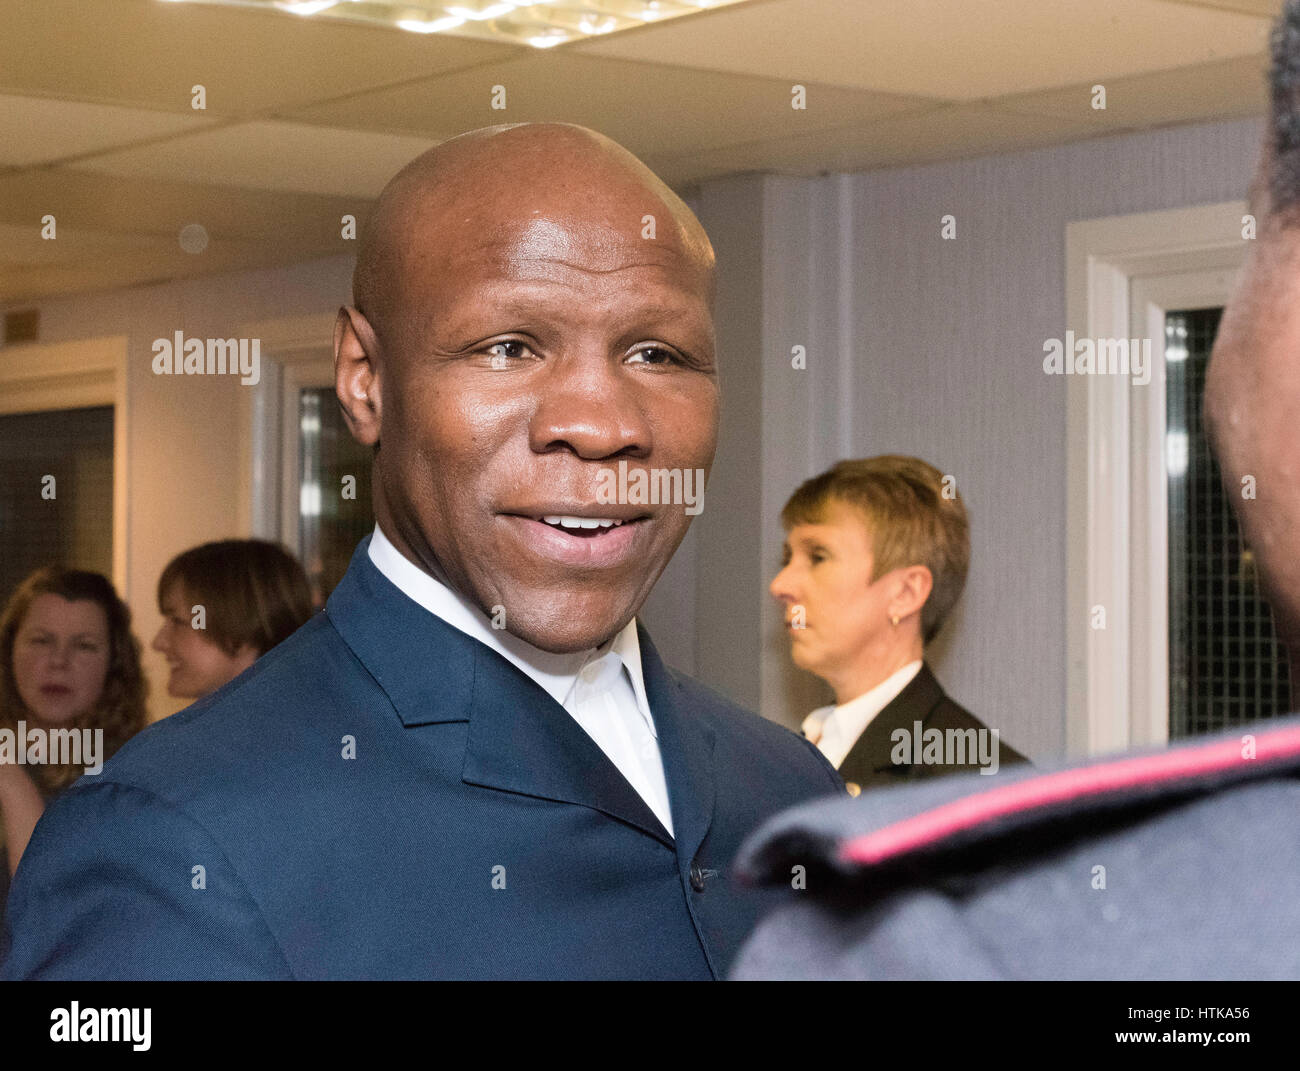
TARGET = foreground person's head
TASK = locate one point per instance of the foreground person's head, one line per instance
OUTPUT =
(533, 306)
(68, 660)
(1252, 389)
(875, 558)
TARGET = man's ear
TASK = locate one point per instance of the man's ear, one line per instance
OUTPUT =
(356, 375)
(912, 587)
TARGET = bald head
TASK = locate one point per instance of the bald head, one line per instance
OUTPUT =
(533, 315)
(1252, 387)
(489, 184)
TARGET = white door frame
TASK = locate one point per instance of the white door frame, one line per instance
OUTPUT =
(297, 351)
(37, 377)
(1121, 273)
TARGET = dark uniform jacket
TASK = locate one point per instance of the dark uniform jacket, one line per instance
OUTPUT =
(1177, 864)
(870, 763)
(382, 796)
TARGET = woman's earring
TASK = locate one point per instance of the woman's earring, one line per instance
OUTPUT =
(893, 620)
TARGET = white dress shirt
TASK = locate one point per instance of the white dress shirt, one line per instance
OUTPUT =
(835, 729)
(603, 690)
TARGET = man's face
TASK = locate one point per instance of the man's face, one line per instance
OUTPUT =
(531, 355)
(825, 585)
(1252, 404)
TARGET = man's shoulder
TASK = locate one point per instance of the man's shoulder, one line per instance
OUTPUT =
(730, 717)
(1041, 868)
(272, 708)
(748, 733)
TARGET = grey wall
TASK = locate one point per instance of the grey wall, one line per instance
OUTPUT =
(923, 346)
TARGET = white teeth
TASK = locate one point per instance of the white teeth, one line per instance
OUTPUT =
(582, 522)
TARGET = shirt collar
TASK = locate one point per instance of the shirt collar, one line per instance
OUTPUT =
(858, 713)
(852, 718)
(556, 673)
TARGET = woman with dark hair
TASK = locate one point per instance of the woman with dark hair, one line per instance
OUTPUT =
(224, 605)
(68, 661)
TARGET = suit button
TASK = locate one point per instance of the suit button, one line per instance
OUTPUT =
(697, 877)
(853, 787)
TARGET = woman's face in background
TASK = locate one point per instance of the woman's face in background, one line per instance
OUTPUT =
(61, 657)
(827, 572)
(198, 664)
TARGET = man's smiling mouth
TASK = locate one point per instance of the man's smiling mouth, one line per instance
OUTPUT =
(614, 536)
(581, 525)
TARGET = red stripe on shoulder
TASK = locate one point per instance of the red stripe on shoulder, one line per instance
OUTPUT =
(936, 825)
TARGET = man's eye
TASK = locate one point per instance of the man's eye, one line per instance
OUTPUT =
(501, 352)
(814, 557)
(654, 355)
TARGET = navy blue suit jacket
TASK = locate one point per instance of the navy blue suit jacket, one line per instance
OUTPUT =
(477, 833)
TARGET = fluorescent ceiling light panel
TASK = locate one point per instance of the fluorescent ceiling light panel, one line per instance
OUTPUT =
(539, 23)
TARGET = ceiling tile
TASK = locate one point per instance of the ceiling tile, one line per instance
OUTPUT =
(136, 267)
(1267, 8)
(944, 49)
(1228, 90)
(150, 53)
(82, 200)
(34, 130)
(291, 157)
(23, 246)
(944, 133)
(647, 107)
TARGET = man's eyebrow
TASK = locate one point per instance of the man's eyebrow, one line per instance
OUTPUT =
(491, 316)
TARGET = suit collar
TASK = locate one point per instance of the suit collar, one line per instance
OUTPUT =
(871, 753)
(520, 740)
(423, 665)
(556, 673)
(839, 727)
(686, 744)
(432, 673)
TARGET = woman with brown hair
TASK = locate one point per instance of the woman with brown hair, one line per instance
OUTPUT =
(68, 661)
(224, 605)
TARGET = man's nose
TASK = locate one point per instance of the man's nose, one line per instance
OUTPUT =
(593, 406)
(158, 643)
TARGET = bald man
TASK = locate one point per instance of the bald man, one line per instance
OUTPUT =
(473, 764)
(1252, 386)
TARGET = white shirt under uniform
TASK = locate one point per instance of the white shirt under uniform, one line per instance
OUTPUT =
(834, 730)
(603, 690)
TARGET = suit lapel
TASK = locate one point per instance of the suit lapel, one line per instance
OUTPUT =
(520, 740)
(686, 745)
(869, 760)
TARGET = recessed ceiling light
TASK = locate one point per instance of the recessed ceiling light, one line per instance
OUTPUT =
(539, 23)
